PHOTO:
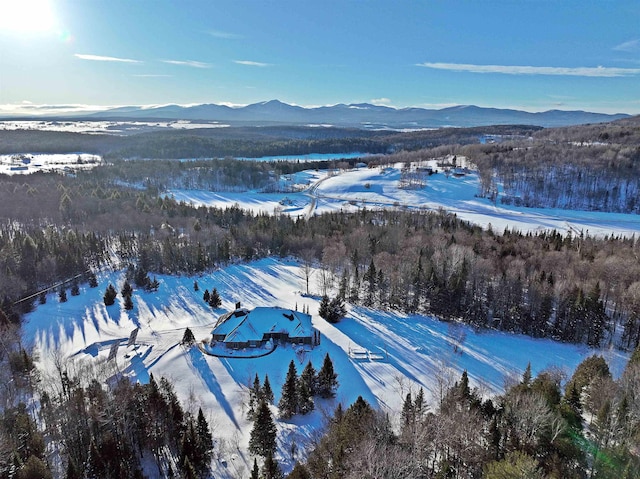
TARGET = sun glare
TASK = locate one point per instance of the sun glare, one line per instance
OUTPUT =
(25, 16)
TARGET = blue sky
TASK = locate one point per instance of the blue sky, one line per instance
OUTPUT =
(527, 54)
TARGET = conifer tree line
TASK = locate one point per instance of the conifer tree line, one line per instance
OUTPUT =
(536, 429)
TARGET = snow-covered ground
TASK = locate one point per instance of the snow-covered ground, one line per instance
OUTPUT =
(106, 127)
(378, 355)
(30, 163)
(378, 188)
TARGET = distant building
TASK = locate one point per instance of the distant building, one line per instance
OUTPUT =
(245, 328)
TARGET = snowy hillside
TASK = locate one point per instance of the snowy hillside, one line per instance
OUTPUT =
(379, 188)
(380, 356)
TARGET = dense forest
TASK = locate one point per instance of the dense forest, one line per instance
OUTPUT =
(245, 141)
(593, 167)
(58, 230)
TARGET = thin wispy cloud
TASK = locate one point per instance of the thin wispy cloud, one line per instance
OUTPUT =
(150, 75)
(535, 70)
(188, 63)
(630, 46)
(251, 63)
(101, 58)
(380, 101)
(225, 35)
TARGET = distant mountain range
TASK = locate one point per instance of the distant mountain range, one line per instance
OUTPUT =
(361, 115)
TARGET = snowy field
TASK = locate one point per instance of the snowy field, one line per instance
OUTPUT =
(107, 127)
(378, 355)
(378, 188)
(30, 163)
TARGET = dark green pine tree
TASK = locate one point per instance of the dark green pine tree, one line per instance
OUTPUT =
(62, 294)
(188, 470)
(418, 404)
(344, 285)
(262, 441)
(214, 299)
(204, 439)
(310, 378)
(323, 310)
(127, 290)
(195, 286)
(305, 398)
(93, 281)
(526, 376)
(255, 394)
(110, 295)
(128, 302)
(337, 310)
(75, 288)
(307, 386)
(267, 392)
(289, 401)
(188, 338)
(206, 296)
(408, 412)
(327, 379)
(271, 469)
(255, 472)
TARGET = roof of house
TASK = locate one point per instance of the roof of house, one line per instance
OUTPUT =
(242, 325)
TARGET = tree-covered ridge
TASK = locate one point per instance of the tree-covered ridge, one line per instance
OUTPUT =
(244, 141)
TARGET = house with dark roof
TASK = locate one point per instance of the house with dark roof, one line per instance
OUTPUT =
(243, 328)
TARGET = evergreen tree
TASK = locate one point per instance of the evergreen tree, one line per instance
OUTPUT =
(344, 285)
(323, 310)
(43, 298)
(255, 395)
(188, 338)
(407, 414)
(127, 290)
(188, 470)
(271, 469)
(93, 281)
(307, 386)
(289, 402)
(195, 286)
(327, 379)
(75, 288)
(110, 295)
(62, 294)
(255, 472)
(310, 378)
(419, 405)
(204, 439)
(267, 392)
(206, 296)
(337, 310)
(214, 299)
(141, 277)
(526, 376)
(153, 285)
(128, 302)
(262, 441)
